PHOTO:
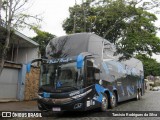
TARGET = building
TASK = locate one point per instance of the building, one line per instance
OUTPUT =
(13, 77)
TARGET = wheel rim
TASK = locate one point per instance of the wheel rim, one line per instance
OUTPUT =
(104, 103)
(137, 96)
(113, 100)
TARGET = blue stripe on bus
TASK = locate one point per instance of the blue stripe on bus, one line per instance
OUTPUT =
(100, 90)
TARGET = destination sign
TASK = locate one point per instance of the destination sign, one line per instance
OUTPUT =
(60, 60)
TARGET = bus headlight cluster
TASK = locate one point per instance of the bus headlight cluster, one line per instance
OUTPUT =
(39, 96)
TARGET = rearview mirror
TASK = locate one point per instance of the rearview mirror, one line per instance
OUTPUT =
(79, 61)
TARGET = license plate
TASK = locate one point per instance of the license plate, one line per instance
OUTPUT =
(56, 109)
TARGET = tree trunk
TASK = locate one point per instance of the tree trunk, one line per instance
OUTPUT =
(8, 27)
(4, 52)
(0, 11)
(0, 25)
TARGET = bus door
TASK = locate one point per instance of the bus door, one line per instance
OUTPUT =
(92, 74)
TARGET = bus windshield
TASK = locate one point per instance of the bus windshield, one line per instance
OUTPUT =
(61, 76)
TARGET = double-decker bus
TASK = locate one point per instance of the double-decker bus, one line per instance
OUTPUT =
(81, 73)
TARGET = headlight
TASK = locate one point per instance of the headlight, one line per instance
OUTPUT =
(39, 96)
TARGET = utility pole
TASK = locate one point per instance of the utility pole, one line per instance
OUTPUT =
(74, 26)
(84, 15)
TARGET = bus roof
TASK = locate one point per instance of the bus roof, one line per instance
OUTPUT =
(74, 44)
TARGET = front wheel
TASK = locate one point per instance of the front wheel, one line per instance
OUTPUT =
(104, 105)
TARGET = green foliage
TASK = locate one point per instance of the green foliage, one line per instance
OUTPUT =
(151, 66)
(2, 39)
(131, 28)
(42, 39)
(14, 16)
(2, 35)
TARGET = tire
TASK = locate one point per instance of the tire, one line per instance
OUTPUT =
(138, 95)
(113, 101)
(104, 105)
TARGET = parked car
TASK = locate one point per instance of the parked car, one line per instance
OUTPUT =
(156, 88)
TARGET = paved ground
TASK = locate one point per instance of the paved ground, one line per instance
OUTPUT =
(149, 102)
(19, 106)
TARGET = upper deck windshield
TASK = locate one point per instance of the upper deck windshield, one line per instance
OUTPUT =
(61, 76)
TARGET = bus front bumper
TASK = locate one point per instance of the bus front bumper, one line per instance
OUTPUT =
(52, 105)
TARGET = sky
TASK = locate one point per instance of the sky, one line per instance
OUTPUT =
(54, 12)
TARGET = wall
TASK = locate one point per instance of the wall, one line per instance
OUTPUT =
(32, 83)
(10, 82)
(16, 84)
(26, 54)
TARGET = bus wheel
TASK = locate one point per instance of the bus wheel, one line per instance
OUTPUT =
(113, 101)
(104, 105)
(138, 95)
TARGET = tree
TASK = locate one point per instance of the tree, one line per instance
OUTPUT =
(151, 66)
(14, 18)
(125, 23)
(42, 39)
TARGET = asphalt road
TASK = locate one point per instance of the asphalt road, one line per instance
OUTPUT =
(150, 102)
